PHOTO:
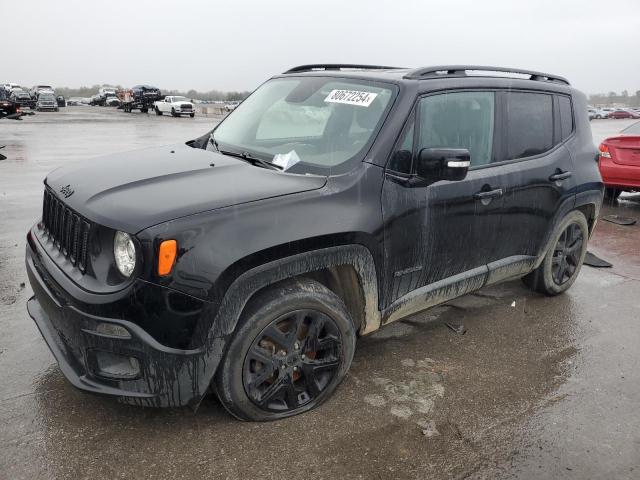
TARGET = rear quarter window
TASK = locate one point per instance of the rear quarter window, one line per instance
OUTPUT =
(566, 116)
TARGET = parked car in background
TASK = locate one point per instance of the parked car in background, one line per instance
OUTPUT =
(139, 97)
(231, 106)
(22, 98)
(602, 113)
(46, 101)
(10, 86)
(74, 101)
(103, 94)
(619, 161)
(112, 102)
(7, 106)
(95, 100)
(592, 113)
(36, 90)
(175, 105)
(624, 114)
(333, 201)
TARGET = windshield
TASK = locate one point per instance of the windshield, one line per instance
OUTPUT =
(48, 97)
(317, 124)
(632, 130)
(180, 99)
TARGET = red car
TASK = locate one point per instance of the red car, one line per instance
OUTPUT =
(620, 161)
(623, 114)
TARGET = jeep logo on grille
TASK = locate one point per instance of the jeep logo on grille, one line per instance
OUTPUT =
(67, 191)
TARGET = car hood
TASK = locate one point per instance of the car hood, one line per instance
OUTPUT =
(132, 191)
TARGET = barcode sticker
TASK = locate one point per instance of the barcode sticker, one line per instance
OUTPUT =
(351, 97)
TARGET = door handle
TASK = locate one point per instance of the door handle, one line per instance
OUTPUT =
(556, 177)
(491, 194)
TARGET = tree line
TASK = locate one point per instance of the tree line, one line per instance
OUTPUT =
(192, 94)
(616, 98)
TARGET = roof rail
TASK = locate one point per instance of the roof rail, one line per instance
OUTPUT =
(461, 71)
(336, 66)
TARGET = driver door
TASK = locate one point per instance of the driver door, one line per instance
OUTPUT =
(439, 237)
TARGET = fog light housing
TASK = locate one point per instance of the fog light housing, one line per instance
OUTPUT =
(115, 366)
(112, 330)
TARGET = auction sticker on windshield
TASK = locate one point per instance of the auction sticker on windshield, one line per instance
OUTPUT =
(351, 97)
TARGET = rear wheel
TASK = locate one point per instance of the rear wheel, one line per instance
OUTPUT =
(563, 260)
(291, 350)
(158, 112)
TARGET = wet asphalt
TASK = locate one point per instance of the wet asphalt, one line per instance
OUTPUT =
(537, 387)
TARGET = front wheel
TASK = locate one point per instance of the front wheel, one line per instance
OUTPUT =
(563, 260)
(292, 348)
(173, 112)
(192, 115)
(158, 112)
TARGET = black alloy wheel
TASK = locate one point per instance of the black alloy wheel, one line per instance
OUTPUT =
(563, 258)
(292, 361)
(567, 254)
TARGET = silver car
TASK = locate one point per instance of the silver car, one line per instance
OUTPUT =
(46, 101)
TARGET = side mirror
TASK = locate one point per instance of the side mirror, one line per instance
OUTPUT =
(443, 163)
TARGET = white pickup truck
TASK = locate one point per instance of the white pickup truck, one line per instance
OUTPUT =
(176, 106)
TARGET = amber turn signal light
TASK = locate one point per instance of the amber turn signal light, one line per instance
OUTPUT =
(167, 256)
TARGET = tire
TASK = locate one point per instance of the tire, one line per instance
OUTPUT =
(303, 369)
(158, 112)
(612, 193)
(192, 115)
(173, 112)
(563, 260)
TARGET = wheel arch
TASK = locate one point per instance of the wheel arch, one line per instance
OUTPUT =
(347, 270)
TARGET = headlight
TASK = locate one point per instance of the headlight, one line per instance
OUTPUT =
(124, 251)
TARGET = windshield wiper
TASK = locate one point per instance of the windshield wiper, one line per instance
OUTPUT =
(251, 159)
(244, 156)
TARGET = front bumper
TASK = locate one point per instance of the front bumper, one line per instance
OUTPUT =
(167, 377)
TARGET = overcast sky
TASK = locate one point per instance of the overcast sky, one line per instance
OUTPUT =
(237, 44)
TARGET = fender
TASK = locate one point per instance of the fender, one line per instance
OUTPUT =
(591, 199)
(248, 283)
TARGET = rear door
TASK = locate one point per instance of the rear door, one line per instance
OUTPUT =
(538, 171)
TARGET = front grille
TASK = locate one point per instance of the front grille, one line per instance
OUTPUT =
(186, 107)
(68, 230)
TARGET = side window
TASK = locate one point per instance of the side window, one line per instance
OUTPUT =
(403, 153)
(529, 124)
(459, 120)
(566, 117)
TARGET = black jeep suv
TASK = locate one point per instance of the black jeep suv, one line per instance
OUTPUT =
(334, 200)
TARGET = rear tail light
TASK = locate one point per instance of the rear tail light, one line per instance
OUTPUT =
(604, 151)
